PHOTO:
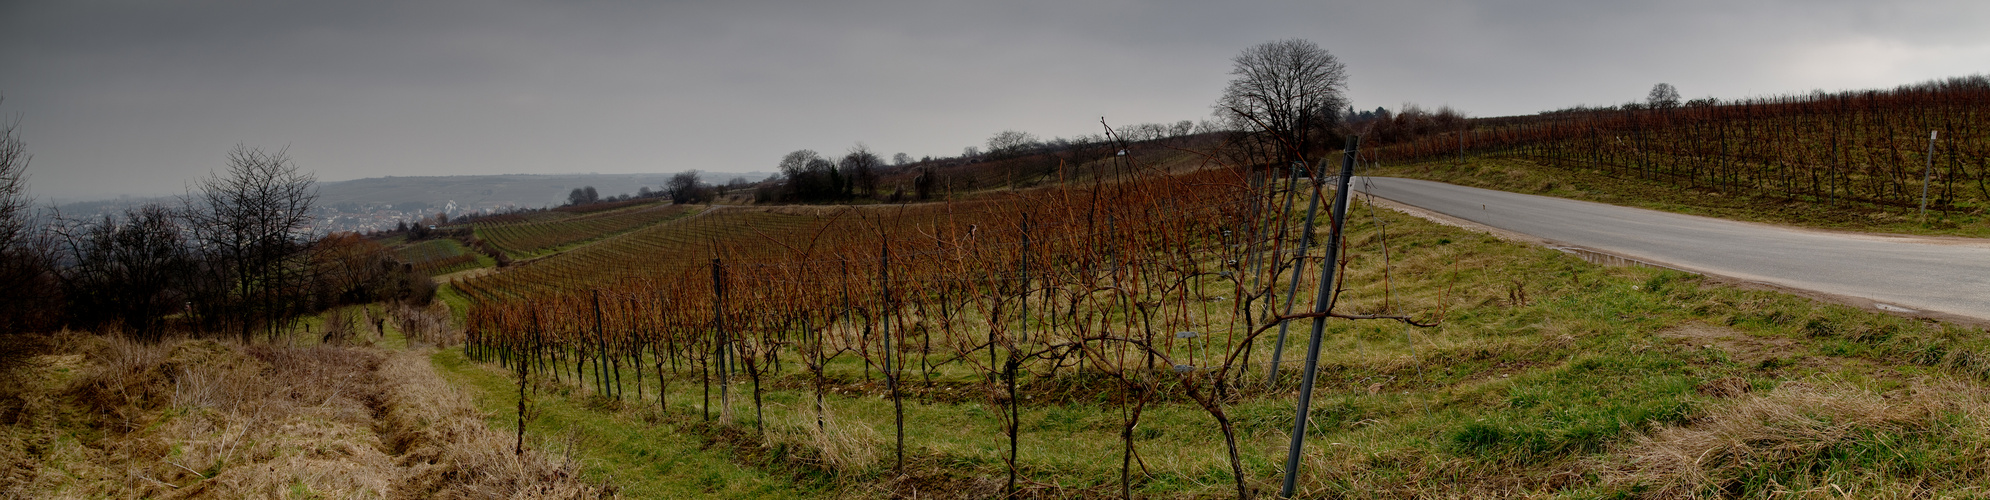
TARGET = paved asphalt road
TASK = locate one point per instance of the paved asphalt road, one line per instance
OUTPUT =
(1945, 275)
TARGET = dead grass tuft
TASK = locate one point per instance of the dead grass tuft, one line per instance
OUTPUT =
(1724, 387)
(1810, 438)
(848, 447)
(448, 451)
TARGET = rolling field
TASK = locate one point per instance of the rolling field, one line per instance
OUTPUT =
(529, 235)
(1133, 326)
(442, 256)
(1107, 341)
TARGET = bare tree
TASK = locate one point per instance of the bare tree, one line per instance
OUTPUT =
(685, 187)
(250, 222)
(26, 295)
(129, 270)
(1010, 142)
(1181, 128)
(14, 200)
(861, 166)
(1291, 90)
(1662, 96)
(900, 159)
(810, 177)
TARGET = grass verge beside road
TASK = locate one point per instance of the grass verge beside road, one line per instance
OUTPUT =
(1524, 176)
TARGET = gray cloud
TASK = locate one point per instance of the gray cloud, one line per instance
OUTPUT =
(139, 97)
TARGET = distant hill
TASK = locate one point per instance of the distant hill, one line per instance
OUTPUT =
(477, 192)
(378, 203)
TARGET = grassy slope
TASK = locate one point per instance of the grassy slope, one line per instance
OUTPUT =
(1524, 176)
(103, 417)
(421, 254)
(646, 459)
(581, 215)
(1549, 375)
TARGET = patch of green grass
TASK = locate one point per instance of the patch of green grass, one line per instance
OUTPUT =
(645, 460)
(301, 491)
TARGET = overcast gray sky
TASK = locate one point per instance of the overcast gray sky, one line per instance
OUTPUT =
(141, 97)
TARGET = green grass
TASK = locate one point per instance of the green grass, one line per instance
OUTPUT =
(645, 460)
(442, 256)
(1525, 176)
(309, 330)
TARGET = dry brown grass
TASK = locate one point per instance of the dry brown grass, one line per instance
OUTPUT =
(208, 419)
(448, 452)
(1818, 439)
(847, 446)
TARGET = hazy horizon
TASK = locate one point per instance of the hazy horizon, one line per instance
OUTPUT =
(142, 98)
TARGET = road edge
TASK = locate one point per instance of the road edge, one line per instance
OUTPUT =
(1734, 281)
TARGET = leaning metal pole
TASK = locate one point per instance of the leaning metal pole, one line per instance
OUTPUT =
(1298, 266)
(1928, 174)
(1321, 304)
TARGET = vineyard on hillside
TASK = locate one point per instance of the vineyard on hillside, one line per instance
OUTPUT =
(439, 257)
(1867, 147)
(523, 236)
(1157, 286)
(1044, 334)
(660, 251)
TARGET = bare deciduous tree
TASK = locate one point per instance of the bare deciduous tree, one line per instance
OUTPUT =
(129, 270)
(583, 196)
(1010, 141)
(13, 186)
(810, 177)
(25, 256)
(251, 221)
(685, 187)
(861, 166)
(1662, 96)
(1292, 90)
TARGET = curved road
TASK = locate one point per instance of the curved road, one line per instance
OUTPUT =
(1931, 274)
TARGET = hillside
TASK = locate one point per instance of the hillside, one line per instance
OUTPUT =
(1096, 339)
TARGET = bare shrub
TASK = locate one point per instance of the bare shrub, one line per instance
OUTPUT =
(340, 327)
(428, 324)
